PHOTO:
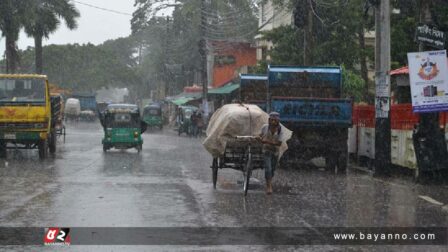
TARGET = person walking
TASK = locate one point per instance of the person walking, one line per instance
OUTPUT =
(270, 138)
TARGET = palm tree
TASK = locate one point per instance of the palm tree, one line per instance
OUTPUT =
(44, 19)
(11, 17)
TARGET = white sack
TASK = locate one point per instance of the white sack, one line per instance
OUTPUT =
(233, 120)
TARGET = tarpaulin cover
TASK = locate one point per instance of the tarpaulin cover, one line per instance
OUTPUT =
(233, 120)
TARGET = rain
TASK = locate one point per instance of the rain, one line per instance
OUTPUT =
(209, 125)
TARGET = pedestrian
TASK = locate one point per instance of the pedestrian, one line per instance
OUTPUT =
(270, 138)
(194, 123)
(199, 124)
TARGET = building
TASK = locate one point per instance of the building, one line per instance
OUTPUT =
(270, 17)
(229, 60)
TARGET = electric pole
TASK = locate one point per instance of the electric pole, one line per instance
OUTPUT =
(308, 34)
(382, 83)
(165, 62)
(203, 52)
(435, 152)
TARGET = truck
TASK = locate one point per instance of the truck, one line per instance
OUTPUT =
(253, 89)
(88, 104)
(309, 100)
(26, 114)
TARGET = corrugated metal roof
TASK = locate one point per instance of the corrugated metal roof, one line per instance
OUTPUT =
(299, 69)
(402, 70)
(253, 77)
(227, 89)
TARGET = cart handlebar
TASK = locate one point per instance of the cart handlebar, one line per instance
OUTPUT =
(246, 137)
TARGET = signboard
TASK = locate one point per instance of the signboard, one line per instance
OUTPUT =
(314, 111)
(429, 81)
(430, 36)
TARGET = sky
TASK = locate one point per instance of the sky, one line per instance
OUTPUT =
(94, 25)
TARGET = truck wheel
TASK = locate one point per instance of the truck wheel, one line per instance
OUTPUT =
(105, 148)
(139, 148)
(342, 163)
(52, 143)
(43, 149)
(331, 162)
(2, 150)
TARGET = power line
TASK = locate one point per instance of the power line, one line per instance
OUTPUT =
(103, 9)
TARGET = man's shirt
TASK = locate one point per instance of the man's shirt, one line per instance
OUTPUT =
(267, 135)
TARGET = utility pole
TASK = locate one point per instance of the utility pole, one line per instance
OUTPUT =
(203, 52)
(427, 120)
(165, 62)
(308, 34)
(382, 83)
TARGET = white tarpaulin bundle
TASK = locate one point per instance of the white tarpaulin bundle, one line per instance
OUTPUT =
(237, 120)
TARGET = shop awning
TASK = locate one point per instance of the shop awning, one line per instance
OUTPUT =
(227, 89)
(403, 70)
(182, 100)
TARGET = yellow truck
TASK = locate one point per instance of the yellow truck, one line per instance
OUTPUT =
(26, 114)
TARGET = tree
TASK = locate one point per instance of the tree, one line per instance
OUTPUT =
(11, 19)
(175, 41)
(83, 67)
(43, 19)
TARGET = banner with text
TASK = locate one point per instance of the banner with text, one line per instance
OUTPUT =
(429, 81)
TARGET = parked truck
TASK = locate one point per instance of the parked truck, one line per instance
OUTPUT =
(26, 114)
(89, 110)
(253, 89)
(310, 102)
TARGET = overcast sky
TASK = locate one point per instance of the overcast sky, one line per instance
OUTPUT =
(94, 25)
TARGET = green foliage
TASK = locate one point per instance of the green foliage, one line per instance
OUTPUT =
(287, 49)
(353, 86)
(82, 67)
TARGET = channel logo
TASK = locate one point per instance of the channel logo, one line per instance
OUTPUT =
(57, 236)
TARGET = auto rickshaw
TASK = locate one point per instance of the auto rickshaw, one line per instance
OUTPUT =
(122, 127)
(185, 123)
(152, 116)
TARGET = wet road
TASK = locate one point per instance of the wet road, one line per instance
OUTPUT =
(169, 185)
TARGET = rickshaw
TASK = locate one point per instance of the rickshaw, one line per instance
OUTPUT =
(242, 153)
(185, 123)
(122, 127)
(152, 116)
(57, 111)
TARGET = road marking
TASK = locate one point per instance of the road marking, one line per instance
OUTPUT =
(431, 200)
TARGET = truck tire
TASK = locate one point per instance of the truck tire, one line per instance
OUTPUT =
(43, 149)
(331, 162)
(342, 163)
(52, 143)
(2, 150)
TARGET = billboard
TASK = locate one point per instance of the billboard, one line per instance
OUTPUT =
(429, 81)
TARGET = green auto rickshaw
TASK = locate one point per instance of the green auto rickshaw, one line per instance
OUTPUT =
(122, 127)
(152, 116)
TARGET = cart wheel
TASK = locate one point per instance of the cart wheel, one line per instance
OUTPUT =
(247, 173)
(215, 171)
(52, 143)
(63, 132)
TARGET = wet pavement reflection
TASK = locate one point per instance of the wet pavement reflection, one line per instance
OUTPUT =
(169, 185)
